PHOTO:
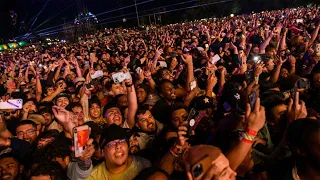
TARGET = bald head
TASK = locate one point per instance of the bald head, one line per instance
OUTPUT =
(207, 162)
(196, 153)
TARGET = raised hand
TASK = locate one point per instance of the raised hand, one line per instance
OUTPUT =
(187, 58)
(147, 75)
(159, 52)
(182, 132)
(296, 109)
(211, 81)
(258, 69)
(244, 66)
(256, 118)
(88, 151)
(281, 61)
(66, 118)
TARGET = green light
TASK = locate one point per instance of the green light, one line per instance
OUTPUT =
(22, 43)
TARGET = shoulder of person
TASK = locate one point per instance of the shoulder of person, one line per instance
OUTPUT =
(140, 161)
(98, 171)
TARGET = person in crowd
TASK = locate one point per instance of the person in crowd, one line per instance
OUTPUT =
(118, 164)
(221, 98)
(11, 167)
(48, 171)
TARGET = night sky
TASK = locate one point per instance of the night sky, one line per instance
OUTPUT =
(27, 9)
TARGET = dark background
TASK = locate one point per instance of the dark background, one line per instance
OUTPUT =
(28, 9)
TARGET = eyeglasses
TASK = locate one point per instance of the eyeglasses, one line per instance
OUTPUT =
(29, 132)
(8, 113)
(114, 144)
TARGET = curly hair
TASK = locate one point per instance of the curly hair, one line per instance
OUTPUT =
(58, 149)
(52, 169)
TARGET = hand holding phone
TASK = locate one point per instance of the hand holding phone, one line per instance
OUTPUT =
(215, 59)
(120, 76)
(80, 137)
(191, 119)
(97, 74)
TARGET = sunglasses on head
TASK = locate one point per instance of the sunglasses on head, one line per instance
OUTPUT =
(8, 113)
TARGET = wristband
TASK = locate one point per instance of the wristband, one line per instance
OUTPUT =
(128, 85)
(247, 141)
(247, 136)
(251, 132)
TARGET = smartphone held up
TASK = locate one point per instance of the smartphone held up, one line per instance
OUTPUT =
(80, 137)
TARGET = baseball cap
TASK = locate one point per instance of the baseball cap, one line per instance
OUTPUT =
(152, 99)
(113, 132)
(201, 103)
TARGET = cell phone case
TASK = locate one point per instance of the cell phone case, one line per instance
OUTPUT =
(201, 167)
(118, 77)
(12, 104)
(80, 136)
(97, 74)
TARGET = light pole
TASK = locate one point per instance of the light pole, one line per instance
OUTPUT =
(135, 4)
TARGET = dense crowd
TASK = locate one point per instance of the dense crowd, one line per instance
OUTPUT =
(222, 98)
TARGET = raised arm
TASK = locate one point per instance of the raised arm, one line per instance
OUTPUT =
(132, 103)
(283, 43)
(314, 35)
(190, 77)
(256, 120)
(275, 75)
(76, 64)
(49, 98)
(38, 88)
(262, 47)
(155, 59)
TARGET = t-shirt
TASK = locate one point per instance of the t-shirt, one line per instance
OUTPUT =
(137, 165)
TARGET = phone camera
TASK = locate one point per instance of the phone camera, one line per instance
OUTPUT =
(197, 171)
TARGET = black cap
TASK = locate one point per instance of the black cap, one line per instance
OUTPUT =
(113, 132)
(201, 103)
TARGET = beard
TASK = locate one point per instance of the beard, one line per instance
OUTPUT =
(134, 149)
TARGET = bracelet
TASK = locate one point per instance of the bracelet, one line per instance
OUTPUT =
(252, 132)
(256, 78)
(128, 85)
(247, 138)
(247, 141)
